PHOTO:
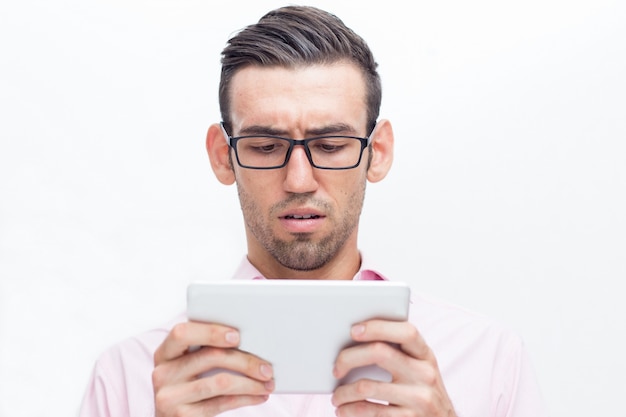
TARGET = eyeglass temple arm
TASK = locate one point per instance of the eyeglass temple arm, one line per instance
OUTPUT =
(225, 133)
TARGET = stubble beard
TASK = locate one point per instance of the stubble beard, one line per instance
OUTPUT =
(302, 253)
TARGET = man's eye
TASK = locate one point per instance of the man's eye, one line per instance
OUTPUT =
(265, 148)
(329, 146)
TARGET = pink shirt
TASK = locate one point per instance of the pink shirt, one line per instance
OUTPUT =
(484, 366)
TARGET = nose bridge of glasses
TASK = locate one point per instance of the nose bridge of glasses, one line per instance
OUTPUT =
(305, 148)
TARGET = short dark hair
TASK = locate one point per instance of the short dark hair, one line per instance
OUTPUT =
(299, 35)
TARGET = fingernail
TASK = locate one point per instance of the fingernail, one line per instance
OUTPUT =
(358, 329)
(232, 337)
(269, 385)
(266, 370)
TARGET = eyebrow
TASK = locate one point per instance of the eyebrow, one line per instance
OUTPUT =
(331, 129)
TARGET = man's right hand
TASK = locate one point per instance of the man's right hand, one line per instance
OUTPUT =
(179, 389)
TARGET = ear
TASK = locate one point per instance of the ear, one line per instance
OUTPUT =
(382, 151)
(218, 150)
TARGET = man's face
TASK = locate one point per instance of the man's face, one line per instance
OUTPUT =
(300, 216)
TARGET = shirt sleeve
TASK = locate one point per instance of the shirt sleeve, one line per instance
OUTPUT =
(98, 400)
(521, 397)
(121, 381)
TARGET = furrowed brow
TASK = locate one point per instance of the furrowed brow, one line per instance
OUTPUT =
(331, 129)
(261, 130)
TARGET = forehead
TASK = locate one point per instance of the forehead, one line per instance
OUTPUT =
(300, 97)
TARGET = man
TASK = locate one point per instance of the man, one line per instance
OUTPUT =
(299, 98)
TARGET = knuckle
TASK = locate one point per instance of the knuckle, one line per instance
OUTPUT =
(201, 388)
(429, 375)
(179, 331)
(379, 351)
(163, 401)
(222, 382)
(424, 398)
(364, 388)
(159, 376)
(252, 365)
(412, 333)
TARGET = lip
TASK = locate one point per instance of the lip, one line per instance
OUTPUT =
(301, 220)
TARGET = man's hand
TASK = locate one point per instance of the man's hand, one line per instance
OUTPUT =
(178, 390)
(416, 388)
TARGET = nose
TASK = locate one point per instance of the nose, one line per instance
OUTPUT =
(300, 174)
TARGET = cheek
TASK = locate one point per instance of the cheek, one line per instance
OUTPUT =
(350, 191)
(258, 186)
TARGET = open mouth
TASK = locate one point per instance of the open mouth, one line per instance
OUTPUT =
(304, 217)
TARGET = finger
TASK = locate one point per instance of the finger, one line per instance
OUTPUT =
(361, 390)
(225, 403)
(245, 363)
(210, 407)
(218, 385)
(191, 365)
(364, 409)
(187, 334)
(401, 395)
(400, 332)
(403, 368)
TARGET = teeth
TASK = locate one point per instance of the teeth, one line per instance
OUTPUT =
(306, 216)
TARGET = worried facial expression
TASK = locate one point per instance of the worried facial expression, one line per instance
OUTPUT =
(297, 215)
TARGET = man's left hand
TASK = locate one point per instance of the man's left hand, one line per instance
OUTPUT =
(416, 388)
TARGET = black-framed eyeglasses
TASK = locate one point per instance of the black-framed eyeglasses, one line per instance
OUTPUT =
(272, 152)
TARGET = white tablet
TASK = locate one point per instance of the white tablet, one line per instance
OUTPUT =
(299, 326)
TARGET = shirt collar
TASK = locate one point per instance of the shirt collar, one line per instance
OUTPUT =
(247, 271)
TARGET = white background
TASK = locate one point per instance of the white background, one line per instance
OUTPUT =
(507, 195)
